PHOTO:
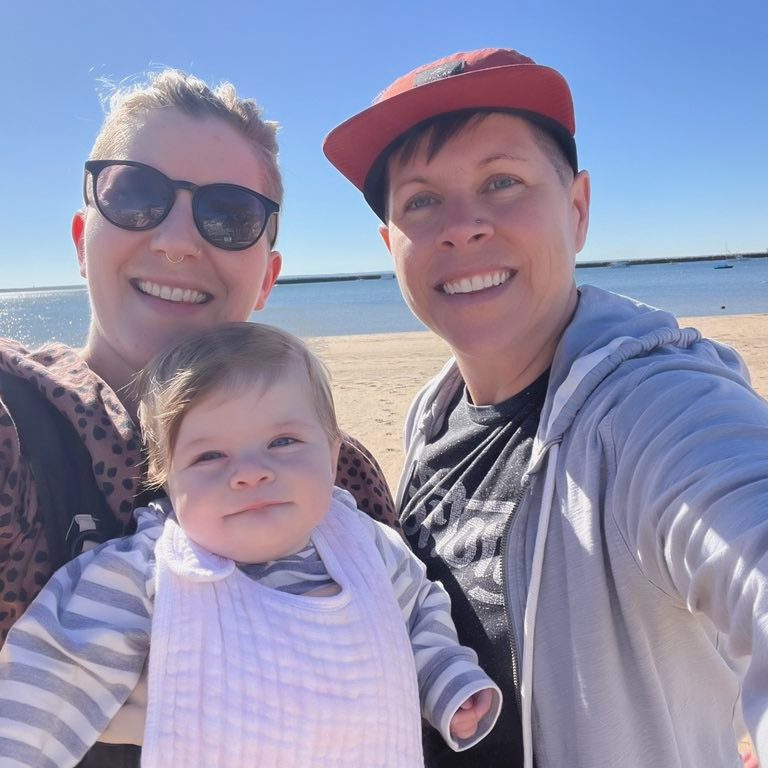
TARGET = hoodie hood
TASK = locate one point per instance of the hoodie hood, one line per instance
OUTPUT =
(607, 330)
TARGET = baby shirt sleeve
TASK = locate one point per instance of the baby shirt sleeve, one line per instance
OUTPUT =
(75, 655)
(447, 672)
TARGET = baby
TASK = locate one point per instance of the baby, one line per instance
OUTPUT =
(283, 627)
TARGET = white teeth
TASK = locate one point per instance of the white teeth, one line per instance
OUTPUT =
(178, 295)
(476, 282)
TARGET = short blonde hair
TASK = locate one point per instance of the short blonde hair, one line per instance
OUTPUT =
(233, 355)
(172, 88)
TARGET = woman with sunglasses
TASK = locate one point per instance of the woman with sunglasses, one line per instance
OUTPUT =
(182, 194)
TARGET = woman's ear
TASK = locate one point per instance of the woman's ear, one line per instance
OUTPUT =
(581, 197)
(384, 232)
(274, 265)
(78, 237)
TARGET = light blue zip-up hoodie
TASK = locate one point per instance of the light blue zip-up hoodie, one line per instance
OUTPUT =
(636, 566)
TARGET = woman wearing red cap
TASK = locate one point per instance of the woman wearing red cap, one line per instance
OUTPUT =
(587, 479)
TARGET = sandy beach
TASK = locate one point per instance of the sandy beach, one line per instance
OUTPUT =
(375, 377)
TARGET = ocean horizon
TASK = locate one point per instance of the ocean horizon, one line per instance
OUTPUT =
(389, 274)
(373, 304)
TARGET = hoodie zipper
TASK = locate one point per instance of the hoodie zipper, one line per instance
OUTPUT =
(512, 642)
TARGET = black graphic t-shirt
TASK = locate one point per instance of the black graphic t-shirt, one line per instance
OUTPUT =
(461, 497)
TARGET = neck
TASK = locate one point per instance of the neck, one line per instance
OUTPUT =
(500, 374)
(490, 381)
(116, 373)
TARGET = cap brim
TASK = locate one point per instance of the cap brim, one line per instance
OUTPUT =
(354, 145)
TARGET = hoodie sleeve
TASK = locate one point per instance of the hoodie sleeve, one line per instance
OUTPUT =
(72, 659)
(691, 499)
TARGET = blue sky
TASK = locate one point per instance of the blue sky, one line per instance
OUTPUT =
(671, 110)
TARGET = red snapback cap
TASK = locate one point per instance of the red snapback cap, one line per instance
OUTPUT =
(491, 78)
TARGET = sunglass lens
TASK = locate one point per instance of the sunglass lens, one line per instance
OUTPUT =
(230, 217)
(133, 197)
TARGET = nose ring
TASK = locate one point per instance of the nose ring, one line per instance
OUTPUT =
(173, 261)
(181, 258)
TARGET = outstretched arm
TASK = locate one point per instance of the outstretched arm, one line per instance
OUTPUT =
(692, 506)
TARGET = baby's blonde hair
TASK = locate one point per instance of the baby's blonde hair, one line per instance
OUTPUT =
(234, 355)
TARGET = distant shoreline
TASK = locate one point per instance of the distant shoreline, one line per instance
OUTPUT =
(333, 278)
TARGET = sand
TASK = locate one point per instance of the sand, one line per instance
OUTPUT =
(375, 377)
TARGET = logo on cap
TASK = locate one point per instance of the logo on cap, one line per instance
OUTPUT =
(439, 72)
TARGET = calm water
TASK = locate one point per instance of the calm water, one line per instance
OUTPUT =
(375, 306)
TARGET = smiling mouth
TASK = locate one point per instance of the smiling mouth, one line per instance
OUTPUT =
(476, 282)
(168, 293)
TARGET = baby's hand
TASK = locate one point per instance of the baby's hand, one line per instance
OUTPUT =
(470, 713)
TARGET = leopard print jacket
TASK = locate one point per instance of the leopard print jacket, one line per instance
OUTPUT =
(114, 442)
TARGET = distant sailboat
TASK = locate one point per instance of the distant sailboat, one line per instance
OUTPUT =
(725, 264)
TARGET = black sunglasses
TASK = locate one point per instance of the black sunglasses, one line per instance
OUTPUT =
(136, 196)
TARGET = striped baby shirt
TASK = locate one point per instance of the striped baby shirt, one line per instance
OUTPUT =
(72, 660)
